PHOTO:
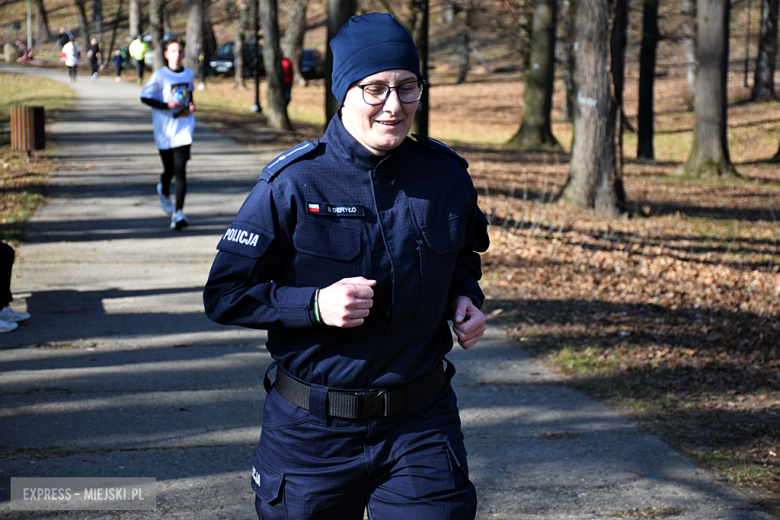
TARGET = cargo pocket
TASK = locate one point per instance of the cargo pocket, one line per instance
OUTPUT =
(268, 484)
(325, 253)
(460, 465)
(438, 252)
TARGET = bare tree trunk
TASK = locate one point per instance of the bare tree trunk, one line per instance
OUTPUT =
(566, 55)
(689, 47)
(158, 35)
(135, 18)
(710, 152)
(81, 11)
(650, 37)
(536, 128)
(242, 26)
(524, 32)
(463, 69)
(43, 20)
(417, 25)
(593, 181)
(339, 13)
(272, 59)
(764, 84)
(194, 37)
(618, 41)
(115, 26)
(293, 36)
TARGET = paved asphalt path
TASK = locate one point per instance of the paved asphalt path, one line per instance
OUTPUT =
(119, 374)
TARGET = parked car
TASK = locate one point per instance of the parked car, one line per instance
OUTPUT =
(222, 60)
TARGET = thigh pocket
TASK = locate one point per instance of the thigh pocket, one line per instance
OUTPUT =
(267, 483)
(441, 469)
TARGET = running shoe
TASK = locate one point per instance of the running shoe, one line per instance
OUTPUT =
(7, 326)
(8, 314)
(179, 221)
(165, 200)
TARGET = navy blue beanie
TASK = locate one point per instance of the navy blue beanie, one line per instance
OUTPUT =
(369, 44)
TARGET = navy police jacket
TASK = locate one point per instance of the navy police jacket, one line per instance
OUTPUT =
(329, 210)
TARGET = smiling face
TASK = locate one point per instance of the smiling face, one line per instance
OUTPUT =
(379, 128)
(174, 56)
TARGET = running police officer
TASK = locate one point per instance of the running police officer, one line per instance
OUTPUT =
(353, 251)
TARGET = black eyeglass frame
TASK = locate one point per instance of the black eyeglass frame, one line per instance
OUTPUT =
(422, 83)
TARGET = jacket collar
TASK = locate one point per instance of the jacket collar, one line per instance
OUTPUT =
(351, 150)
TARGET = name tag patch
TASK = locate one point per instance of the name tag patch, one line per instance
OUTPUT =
(334, 210)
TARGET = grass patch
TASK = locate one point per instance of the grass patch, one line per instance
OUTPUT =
(21, 191)
(22, 183)
(19, 89)
(592, 359)
(735, 471)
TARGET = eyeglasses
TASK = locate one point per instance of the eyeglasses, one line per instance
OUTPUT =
(378, 93)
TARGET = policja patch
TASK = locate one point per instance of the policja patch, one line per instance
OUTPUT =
(335, 210)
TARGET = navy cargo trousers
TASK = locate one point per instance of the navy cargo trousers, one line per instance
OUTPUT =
(411, 466)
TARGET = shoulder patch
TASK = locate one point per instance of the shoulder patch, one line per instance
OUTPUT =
(287, 158)
(438, 145)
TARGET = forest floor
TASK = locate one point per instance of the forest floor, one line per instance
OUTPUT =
(671, 316)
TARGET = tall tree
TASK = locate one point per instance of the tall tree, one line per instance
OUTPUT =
(647, 53)
(594, 181)
(689, 47)
(465, 45)
(242, 28)
(536, 128)
(617, 68)
(566, 55)
(158, 32)
(43, 21)
(417, 25)
(272, 59)
(710, 153)
(764, 84)
(114, 28)
(194, 35)
(339, 13)
(135, 18)
(293, 36)
(81, 12)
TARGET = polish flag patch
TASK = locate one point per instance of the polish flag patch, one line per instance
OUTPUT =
(314, 208)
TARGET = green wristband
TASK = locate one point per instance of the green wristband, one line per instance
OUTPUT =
(317, 306)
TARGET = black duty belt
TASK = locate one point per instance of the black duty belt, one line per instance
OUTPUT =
(368, 403)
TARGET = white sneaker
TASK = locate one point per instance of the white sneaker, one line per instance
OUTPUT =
(165, 200)
(117, 79)
(7, 326)
(8, 314)
(179, 221)
(94, 77)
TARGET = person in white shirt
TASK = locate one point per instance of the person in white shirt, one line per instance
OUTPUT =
(169, 93)
(71, 52)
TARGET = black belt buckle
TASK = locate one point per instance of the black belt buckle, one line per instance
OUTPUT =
(372, 403)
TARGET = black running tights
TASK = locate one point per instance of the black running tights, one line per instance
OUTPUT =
(175, 165)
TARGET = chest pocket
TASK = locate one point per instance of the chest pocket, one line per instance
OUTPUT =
(438, 249)
(325, 253)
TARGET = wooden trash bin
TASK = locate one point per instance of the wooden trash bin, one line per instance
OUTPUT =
(27, 128)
